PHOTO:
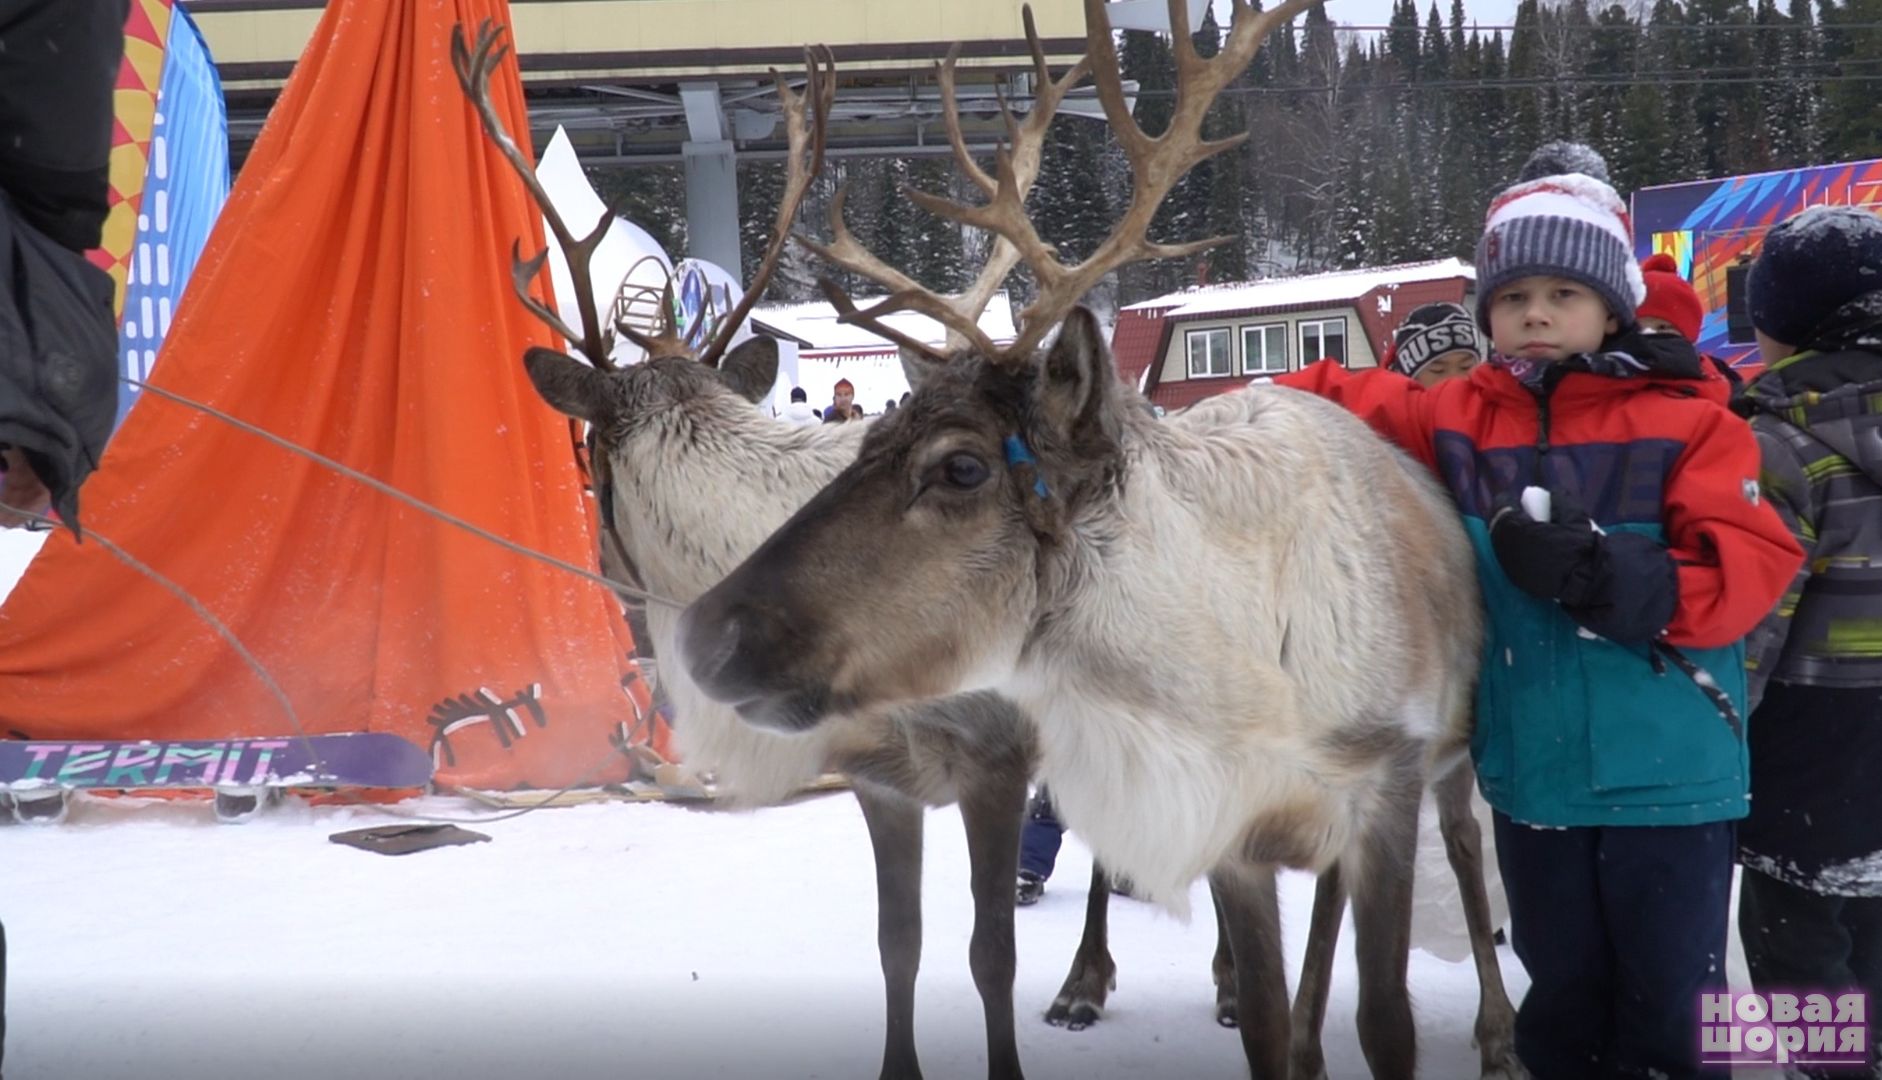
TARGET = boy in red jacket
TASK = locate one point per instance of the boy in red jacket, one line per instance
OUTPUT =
(1610, 731)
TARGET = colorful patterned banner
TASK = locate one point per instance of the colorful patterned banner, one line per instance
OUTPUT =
(169, 176)
(1713, 228)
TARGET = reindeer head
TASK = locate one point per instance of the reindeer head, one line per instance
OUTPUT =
(924, 568)
(915, 573)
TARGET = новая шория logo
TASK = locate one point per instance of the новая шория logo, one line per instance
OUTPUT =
(1803, 1028)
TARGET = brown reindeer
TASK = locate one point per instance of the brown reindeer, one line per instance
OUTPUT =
(690, 478)
(1024, 526)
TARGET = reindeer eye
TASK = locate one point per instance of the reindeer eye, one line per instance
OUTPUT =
(964, 471)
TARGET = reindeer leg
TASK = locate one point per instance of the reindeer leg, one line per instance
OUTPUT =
(1222, 966)
(1251, 911)
(993, 807)
(1463, 844)
(1080, 1003)
(895, 825)
(1306, 1057)
(1379, 874)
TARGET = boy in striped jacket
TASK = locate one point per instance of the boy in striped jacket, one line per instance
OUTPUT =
(1810, 901)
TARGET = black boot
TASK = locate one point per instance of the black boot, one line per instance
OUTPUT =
(1031, 888)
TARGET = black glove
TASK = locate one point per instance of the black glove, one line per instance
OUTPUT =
(1623, 586)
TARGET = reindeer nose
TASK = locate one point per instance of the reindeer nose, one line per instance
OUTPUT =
(708, 640)
(726, 647)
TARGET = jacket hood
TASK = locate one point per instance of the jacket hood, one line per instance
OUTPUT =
(1834, 390)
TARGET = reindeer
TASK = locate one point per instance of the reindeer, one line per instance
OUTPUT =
(1025, 527)
(691, 478)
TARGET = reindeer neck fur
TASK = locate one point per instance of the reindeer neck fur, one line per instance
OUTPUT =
(702, 484)
(697, 487)
(1240, 633)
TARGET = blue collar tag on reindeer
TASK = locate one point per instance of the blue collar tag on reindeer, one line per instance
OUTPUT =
(1017, 454)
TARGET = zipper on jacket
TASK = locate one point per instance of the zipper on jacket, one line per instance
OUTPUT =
(1705, 682)
(1543, 394)
(1659, 651)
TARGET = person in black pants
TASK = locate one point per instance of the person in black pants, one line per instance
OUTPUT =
(1039, 842)
(59, 64)
(1810, 898)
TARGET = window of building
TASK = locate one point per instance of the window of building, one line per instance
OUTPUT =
(1321, 339)
(1264, 349)
(1208, 353)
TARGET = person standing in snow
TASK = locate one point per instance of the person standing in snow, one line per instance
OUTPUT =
(799, 410)
(1609, 739)
(58, 335)
(1039, 840)
(841, 398)
(1810, 900)
(59, 64)
(1436, 342)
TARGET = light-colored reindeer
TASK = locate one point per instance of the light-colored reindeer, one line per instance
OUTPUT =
(693, 478)
(1306, 592)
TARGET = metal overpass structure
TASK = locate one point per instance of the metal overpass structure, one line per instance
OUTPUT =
(641, 82)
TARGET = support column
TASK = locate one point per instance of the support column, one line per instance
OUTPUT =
(711, 180)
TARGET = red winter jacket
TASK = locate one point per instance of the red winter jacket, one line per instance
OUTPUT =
(1644, 451)
(1574, 729)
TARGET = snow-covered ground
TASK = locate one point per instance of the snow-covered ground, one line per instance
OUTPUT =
(147, 942)
(17, 548)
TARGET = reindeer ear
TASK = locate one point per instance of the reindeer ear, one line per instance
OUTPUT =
(751, 370)
(568, 385)
(918, 367)
(1075, 378)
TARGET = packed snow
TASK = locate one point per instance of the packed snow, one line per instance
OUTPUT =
(17, 548)
(147, 941)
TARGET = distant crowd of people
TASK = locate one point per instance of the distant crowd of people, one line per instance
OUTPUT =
(842, 408)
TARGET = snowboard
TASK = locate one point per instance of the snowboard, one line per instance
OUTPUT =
(242, 772)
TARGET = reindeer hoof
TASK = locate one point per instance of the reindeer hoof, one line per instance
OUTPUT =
(1073, 1015)
(1307, 1067)
(1504, 1066)
(1225, 1014)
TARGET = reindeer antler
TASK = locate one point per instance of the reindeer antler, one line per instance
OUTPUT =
(1017, 166)
(806, 117)
(1157, 163)
(473, 64)
(806, 121)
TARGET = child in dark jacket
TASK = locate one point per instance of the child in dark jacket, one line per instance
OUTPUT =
(1810, 902)
(1610, 737)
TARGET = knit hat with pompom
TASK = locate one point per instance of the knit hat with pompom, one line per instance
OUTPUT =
(1669, 297)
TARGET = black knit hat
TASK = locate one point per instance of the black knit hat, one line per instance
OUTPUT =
(1562, 157)
(1431, 331)
(1810, 265)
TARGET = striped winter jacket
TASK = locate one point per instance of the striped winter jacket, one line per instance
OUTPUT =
(1818, 419)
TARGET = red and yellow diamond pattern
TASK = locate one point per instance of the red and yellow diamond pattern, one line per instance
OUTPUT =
(145, 34)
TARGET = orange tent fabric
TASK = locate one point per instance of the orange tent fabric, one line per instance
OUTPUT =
(354, 298)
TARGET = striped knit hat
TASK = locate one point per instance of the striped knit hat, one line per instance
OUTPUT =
(1569, 225)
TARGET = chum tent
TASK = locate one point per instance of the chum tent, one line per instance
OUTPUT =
(354, 298)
